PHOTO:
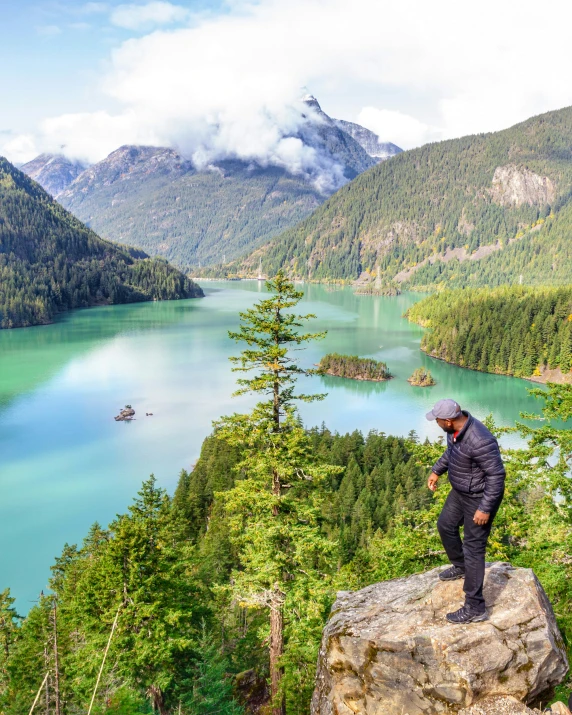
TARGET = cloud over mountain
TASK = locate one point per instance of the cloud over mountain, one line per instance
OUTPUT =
(228, 84)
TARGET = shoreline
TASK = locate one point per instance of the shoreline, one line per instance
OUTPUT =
(538, 379)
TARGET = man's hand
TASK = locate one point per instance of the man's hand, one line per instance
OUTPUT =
(480, 518)
(432, 481)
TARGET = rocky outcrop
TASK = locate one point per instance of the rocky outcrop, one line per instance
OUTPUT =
(389, 649)
(369, 140)
(514, 186)
(53, 172)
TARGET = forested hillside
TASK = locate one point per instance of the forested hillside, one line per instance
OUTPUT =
(526, 332)
(50, 262)
(476, 210)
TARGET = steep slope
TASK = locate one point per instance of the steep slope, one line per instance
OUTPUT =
(50, 262)
(368, 140)
(153, 198)
(476, 204)
(53, 172)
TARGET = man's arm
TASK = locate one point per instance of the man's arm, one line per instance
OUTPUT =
(488, 458)
(442, 464)
(439, 468)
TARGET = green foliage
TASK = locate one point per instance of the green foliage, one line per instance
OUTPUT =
(424, 202)
(422, 377)
(50, 262)
(208, 689)
(354, 367)
(269, 332)
(510, 330)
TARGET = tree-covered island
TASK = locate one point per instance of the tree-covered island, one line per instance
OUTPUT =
(421, 378)
(354, 367)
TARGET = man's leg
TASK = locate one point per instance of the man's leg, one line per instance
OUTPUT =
(474, 548)
(448, 525)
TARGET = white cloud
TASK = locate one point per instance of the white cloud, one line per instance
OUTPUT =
(229, 84)
(137, 17)
(21, 148)
(401, 129)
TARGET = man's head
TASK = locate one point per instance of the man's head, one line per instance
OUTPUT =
(448, 415)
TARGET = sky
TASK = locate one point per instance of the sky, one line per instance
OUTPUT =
(224, 77)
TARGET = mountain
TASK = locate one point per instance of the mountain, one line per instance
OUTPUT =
(480, 210)
(154, 198)
(50, 262)
(53, 172)
(368, 140)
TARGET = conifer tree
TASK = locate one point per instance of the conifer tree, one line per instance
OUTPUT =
(209, 690)
(275, 511)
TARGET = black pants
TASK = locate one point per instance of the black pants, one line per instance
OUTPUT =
(469, 554)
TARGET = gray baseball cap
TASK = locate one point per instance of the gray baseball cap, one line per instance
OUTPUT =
(444, 410)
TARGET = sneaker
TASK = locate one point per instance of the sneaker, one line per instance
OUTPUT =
(467, 615)
(452, 574)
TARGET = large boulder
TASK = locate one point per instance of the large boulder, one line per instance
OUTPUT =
(388, 649)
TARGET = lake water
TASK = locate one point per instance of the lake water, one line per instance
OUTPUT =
(64, 461)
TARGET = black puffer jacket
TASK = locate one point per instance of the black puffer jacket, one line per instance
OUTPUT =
(474, 464)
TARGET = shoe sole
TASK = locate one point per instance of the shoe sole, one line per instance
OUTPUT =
(452, 578)
(474, 619)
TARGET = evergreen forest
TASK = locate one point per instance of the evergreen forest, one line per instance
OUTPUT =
(213, 600)
(511, 330)
(50, 262)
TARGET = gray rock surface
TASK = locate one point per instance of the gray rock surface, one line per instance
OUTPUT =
(373, 145)
(388, 648)
(504, 705)
(514, 186)
(53, 172)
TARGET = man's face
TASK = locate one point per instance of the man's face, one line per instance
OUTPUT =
(446, 425)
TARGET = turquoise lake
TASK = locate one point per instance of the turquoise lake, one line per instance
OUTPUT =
(65, 462)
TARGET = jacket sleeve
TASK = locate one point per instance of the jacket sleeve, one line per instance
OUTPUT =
(487, 456)
(442, 464)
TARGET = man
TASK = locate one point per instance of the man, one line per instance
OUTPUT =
(477, 475)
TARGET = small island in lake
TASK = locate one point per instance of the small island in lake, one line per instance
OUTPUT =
(386, 289)
(353, 367)
(126, 414)
(421, 378)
